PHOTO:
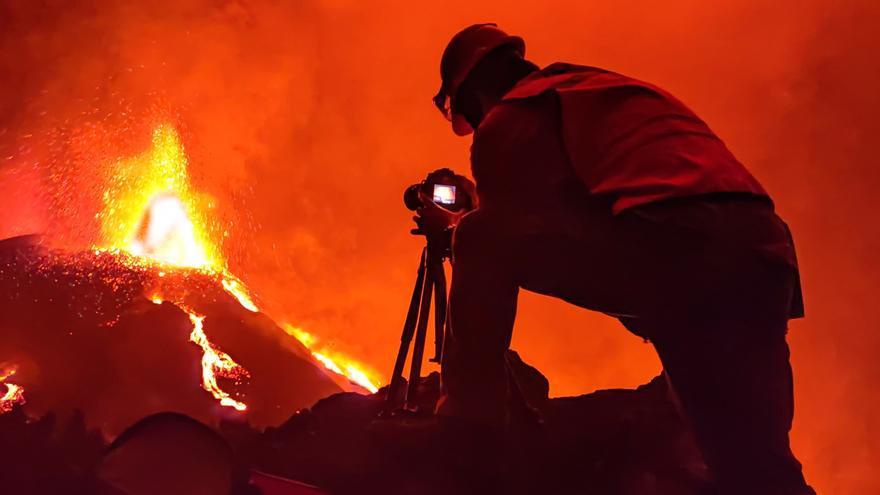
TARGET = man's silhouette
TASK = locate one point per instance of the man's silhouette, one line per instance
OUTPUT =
(609, 193)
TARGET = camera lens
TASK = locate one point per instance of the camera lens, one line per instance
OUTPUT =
(411, 197)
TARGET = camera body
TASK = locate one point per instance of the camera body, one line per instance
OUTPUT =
(445, 188)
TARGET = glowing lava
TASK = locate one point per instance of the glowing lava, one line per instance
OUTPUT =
(215, 362)
(334, 361)
(234, 287)
(14, 393)
(167, 234)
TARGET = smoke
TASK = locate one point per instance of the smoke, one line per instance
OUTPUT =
(306, 120)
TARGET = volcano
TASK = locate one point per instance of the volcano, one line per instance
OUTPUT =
(82, 331)
(149, 318)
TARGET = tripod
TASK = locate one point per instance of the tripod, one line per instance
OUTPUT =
(430, 282)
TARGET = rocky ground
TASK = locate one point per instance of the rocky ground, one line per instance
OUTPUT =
(607, 442)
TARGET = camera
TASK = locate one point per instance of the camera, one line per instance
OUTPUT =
(445, 188)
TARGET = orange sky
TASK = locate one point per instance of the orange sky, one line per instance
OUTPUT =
(307, 121)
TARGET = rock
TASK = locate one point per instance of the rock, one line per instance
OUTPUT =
(609, 442)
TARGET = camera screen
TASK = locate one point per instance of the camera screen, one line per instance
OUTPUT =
(443, 194)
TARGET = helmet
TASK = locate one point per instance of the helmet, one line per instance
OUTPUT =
(461, 55)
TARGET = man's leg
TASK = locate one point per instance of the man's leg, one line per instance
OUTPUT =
(492, 259)
(734, 383)
(722, 344)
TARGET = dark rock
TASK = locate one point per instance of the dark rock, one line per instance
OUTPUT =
(41, 457)
(609, 442)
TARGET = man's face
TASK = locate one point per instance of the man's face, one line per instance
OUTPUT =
(449, 107)
(466, 107)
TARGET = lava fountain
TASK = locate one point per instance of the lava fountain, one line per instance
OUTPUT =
(151, 213)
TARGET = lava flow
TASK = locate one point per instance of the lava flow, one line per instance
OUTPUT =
(215, 362)
(333, 360)
(14, 393)
(152, 217)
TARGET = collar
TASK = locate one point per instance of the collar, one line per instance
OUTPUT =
(547, 78)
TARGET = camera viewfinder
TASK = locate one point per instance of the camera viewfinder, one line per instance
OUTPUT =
(444, 194)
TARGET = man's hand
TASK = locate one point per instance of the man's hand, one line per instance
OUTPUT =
(433, 219)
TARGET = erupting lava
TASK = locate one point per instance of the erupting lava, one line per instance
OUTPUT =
(152, 216)
(167, 234)
(150, 209)
(151, 212)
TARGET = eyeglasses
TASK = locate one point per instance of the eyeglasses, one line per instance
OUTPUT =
(443, 102)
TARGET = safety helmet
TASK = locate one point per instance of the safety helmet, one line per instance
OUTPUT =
(461, 55)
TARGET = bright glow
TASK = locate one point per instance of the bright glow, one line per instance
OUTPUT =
(334, 361)
(167, 234)
(151, 210)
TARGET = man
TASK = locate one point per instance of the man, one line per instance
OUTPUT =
(609, 193)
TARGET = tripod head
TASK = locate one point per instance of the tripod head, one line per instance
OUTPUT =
(439, 202)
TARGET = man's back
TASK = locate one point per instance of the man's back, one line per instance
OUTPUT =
(629, 142)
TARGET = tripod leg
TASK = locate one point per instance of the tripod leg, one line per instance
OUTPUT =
(409, 328)
(440, 315)
(415, 369)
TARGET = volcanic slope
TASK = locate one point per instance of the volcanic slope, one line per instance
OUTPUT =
(118, 338)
